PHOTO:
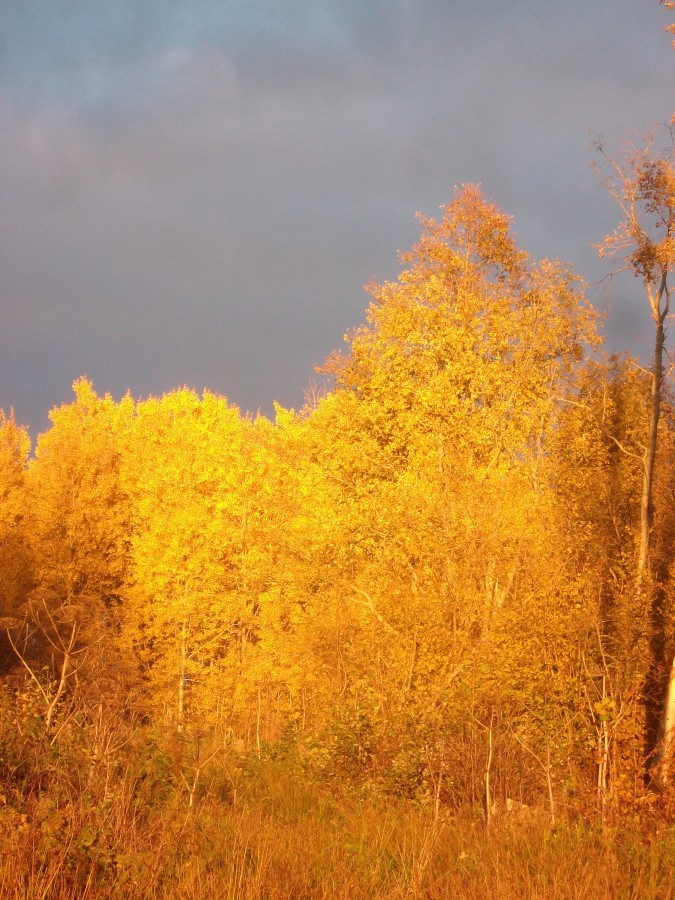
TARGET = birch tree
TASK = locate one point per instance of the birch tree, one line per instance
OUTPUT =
(76, 514)
(454, 589)
(16, 561)
(181, 469)
(644, 242)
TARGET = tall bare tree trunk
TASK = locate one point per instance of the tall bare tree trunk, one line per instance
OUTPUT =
(659, 299)
(646, 502)
(644, 189)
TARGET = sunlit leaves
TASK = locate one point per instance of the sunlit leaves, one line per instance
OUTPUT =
(416, 564)
(15, 555)
(644, 189)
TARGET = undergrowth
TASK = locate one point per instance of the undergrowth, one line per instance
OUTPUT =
(153, 815)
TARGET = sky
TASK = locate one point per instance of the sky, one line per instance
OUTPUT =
(194, 193)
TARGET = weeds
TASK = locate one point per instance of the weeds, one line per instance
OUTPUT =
(157, 818)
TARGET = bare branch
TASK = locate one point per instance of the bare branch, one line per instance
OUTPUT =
(608, 434)
(370, 604)
(22, 660)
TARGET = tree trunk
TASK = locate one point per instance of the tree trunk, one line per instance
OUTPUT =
(667, 730)
(180, 712)
(488, 772)
(660, 308)
(646, 503)
(63, 679)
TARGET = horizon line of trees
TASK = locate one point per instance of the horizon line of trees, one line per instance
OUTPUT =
(449, 579)
(433, 579)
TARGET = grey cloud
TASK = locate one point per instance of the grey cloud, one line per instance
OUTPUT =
(203, 204)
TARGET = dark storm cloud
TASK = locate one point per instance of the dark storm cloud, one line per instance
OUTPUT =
(194, 192)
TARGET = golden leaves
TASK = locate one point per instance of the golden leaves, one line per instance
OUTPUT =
(644, 189)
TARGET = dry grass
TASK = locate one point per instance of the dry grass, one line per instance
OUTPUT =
(283, 837)
(141, 820)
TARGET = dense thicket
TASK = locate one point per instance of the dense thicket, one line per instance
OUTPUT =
(422, 586)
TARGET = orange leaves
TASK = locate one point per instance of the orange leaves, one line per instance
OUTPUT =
(644, 189)
(471, 233)
(78, 507)
(14, 448)
(467, 343)
(438, 444)
(15, 556)
(408, 557)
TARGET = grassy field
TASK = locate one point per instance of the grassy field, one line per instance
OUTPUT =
(260, 829)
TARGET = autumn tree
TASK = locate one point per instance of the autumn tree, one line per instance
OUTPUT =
(16, 561)
(289, 565)
(181, 607)
(443, 415)
(597, 457)
(78, 536)
(224, 535)
(644, 242)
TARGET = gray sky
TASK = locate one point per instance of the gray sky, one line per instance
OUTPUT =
(195, 192)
